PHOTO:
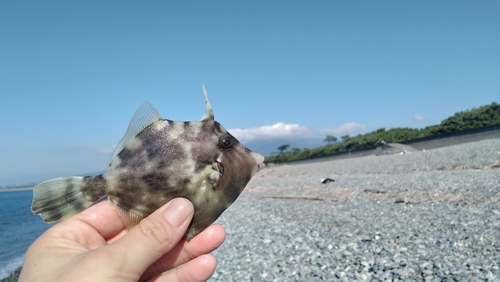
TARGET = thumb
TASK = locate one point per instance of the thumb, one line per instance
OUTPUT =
(153, 237)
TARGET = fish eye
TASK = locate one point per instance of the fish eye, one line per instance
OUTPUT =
(226, 143)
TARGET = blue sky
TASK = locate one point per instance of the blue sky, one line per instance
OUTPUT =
(72, 73)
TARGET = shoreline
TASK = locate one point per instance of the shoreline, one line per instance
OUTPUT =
(28, 188)
(13, 277)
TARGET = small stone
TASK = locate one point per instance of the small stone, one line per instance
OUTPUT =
(427, 271)
(488, 275)
(365, 263)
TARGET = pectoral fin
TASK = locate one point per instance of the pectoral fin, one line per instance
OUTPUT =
(129, 218)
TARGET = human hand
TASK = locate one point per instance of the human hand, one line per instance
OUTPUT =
(94, 246)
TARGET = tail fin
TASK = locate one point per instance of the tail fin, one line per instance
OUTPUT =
(59, 198)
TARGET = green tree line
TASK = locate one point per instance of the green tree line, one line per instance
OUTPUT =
(475, 118)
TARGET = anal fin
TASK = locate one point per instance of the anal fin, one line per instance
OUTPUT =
(129, 218)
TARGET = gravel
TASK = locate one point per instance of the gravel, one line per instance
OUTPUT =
(426, 216)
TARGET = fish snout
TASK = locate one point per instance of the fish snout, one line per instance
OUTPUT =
(259, 159)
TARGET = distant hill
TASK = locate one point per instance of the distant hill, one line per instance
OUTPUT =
(474, 118)
(269, 147)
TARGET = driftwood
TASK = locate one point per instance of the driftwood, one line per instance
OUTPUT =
(401, 201)
(313, 198)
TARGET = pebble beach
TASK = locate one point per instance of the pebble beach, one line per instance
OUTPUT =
(430, 215)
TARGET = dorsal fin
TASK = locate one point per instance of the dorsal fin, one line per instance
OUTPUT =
(209, 114)
(145, 115)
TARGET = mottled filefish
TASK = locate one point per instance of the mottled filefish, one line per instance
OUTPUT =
(158, 160)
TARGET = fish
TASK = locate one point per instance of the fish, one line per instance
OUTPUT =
(158, 160)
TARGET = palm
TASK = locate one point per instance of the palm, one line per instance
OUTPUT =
(86, 239)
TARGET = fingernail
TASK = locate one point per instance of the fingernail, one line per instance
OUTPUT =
(178, 211)
(210, 232)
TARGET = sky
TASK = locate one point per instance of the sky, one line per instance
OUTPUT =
(72, 73)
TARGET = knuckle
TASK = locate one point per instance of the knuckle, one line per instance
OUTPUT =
(155, 232)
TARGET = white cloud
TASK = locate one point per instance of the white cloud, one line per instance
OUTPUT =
(270, 131)
(343, 129)
(418, 118)
(284, 130)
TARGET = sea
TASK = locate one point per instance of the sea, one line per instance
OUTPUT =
(18, 229)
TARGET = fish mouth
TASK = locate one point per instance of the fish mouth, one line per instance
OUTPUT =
(260, 163)
(260, 166)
